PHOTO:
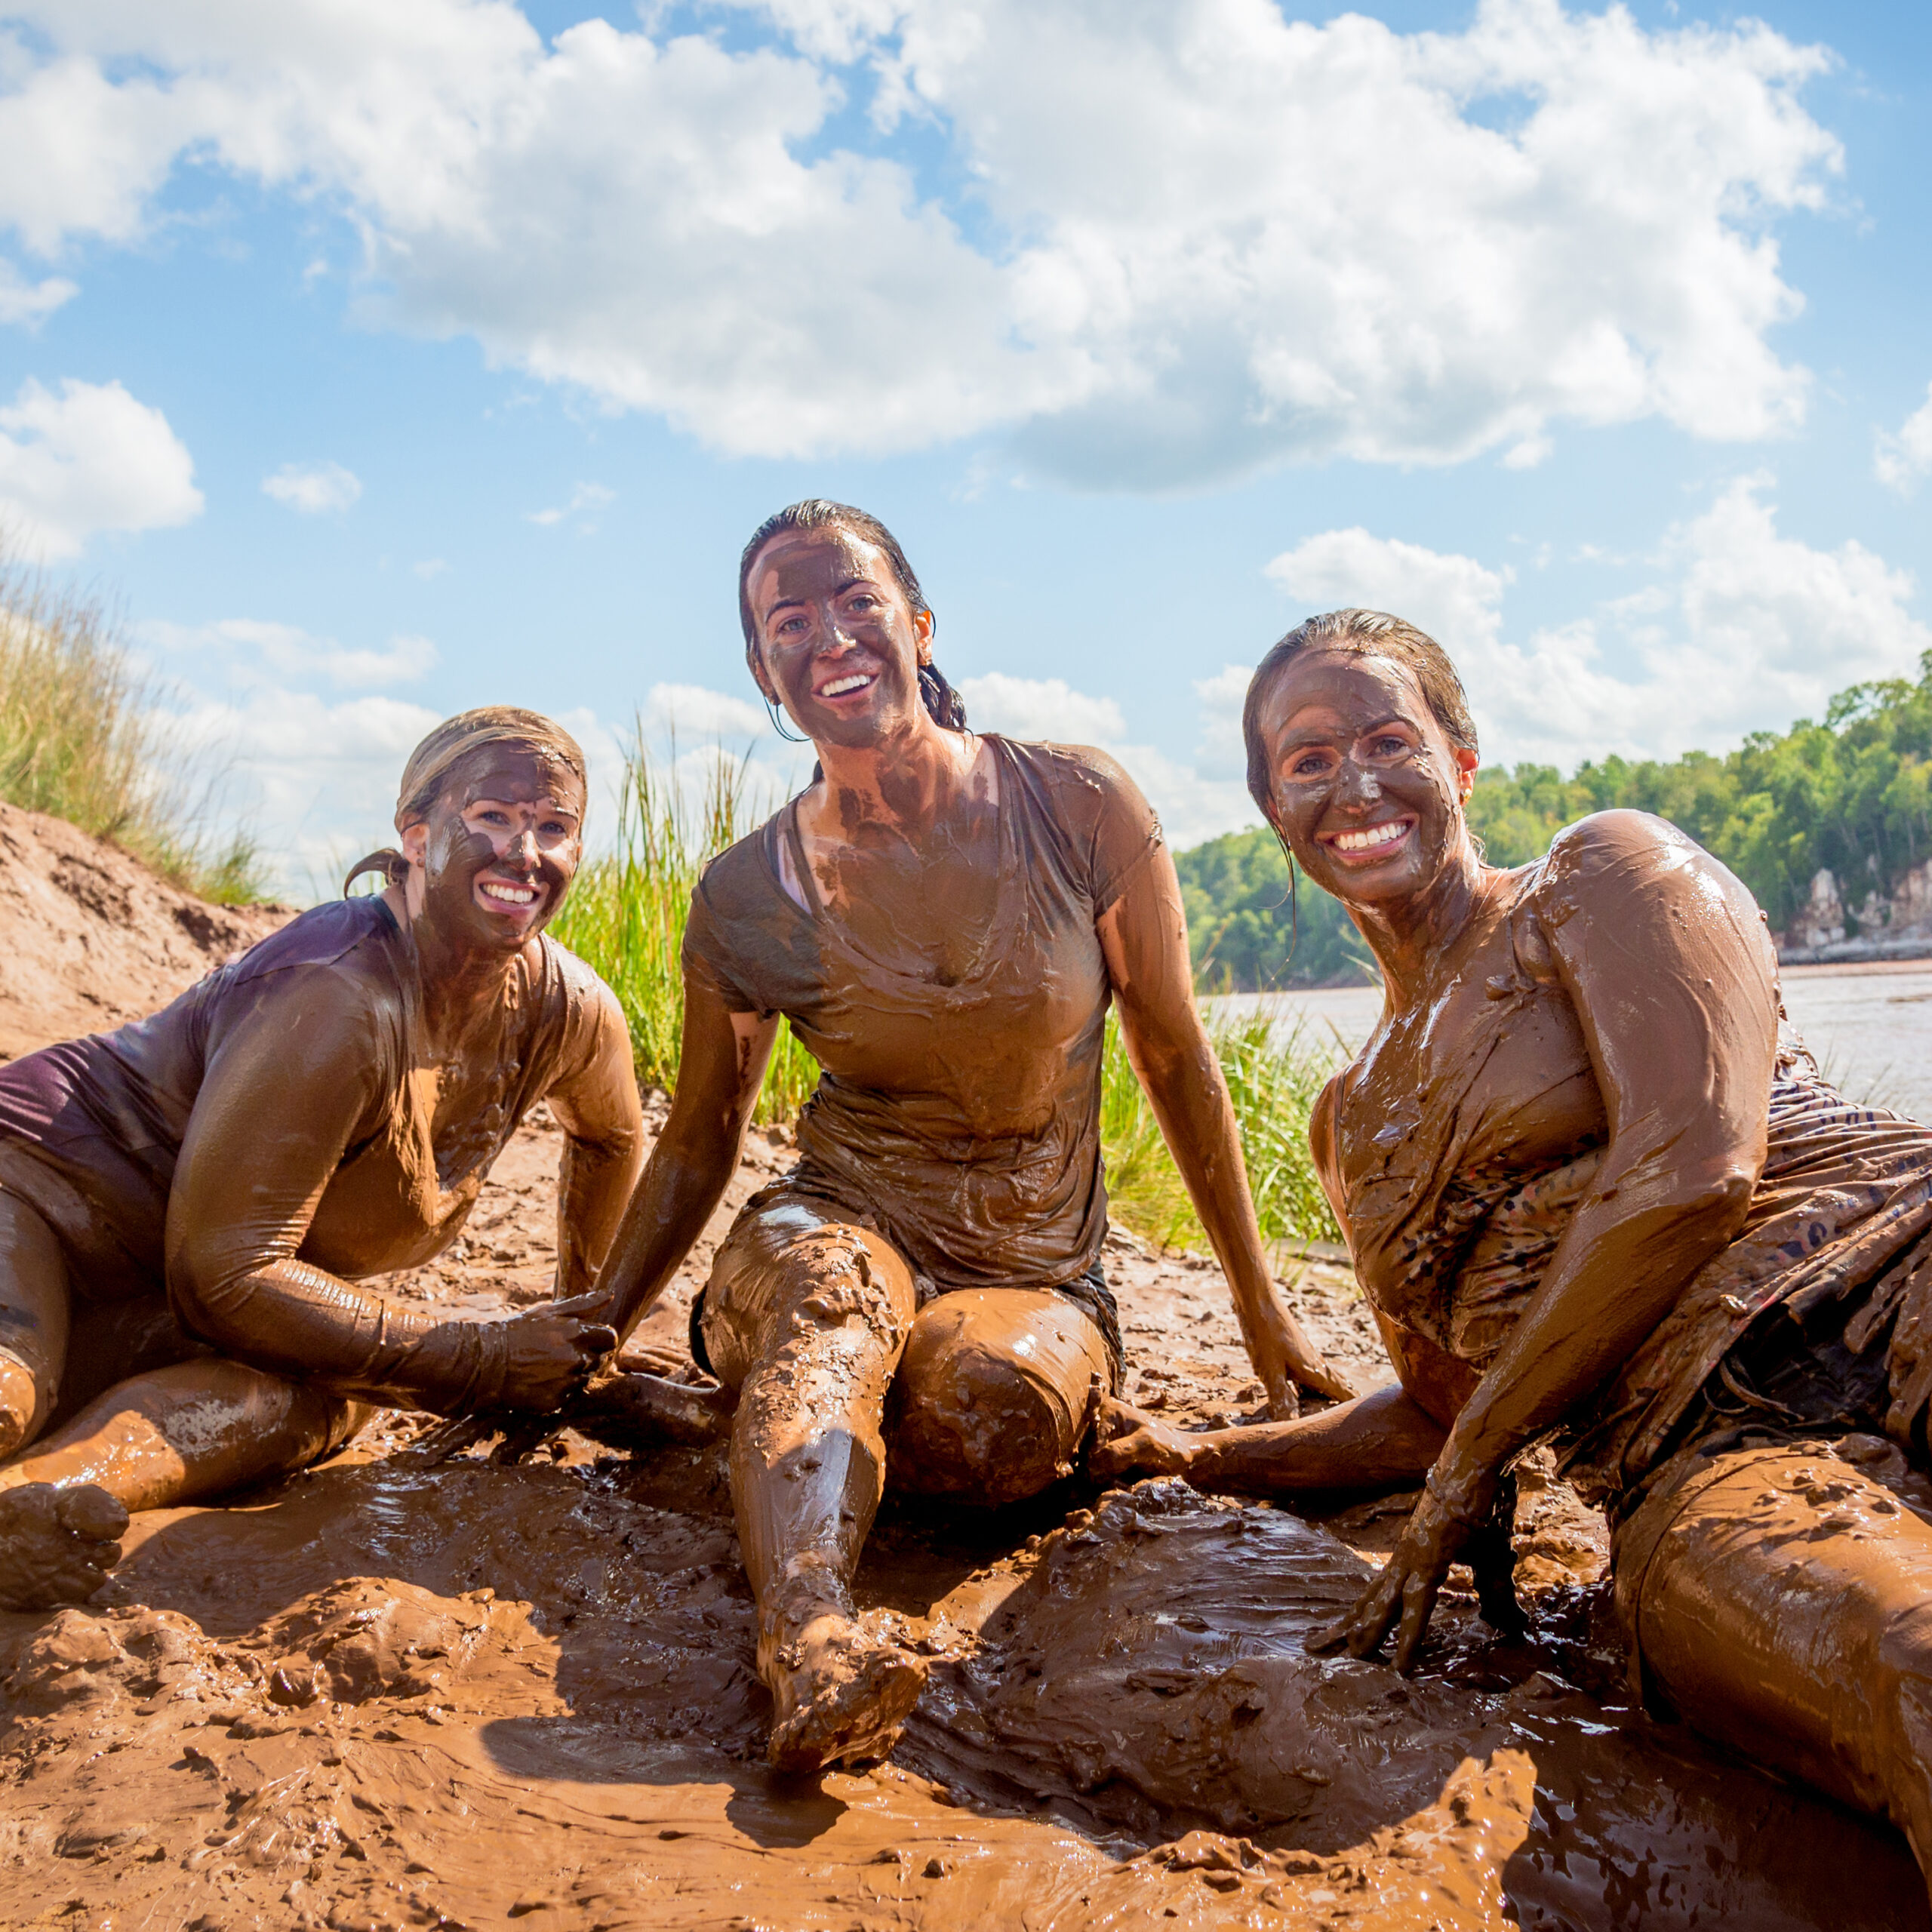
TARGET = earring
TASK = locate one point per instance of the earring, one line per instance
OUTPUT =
(778, 724)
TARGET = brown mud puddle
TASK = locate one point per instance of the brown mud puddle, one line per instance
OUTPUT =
(381, 1695)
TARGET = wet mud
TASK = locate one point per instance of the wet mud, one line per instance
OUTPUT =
(382, 1694)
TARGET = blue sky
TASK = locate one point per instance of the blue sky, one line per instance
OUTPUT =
(383, 357)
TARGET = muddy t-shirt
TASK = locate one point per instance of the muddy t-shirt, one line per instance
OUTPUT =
(959, 1033)
(90, 1130)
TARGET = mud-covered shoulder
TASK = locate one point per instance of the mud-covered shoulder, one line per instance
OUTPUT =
(1615, 842)
(1098, 810)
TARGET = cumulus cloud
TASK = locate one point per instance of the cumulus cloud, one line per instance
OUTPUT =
(1182, 239)
(693, 715)
(1903, 458)
(31, 302)
(1743, 629)
(253, 652)
(88, 458)
(1193, 804)
(313, 488)
(1041, 708)
(584, 498)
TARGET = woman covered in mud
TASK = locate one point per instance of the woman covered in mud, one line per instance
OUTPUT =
(943, 918)
(1592, 1200)
(185, 1204)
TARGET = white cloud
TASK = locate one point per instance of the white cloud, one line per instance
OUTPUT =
(86, 459)
(272, 655)
(313, 488)
(1194, 236)
(1455, 599)
(429, 567)
(1901, 460)
(31, 302)
(692, 714)
(1742, 630)
(591, 497)
(1193, 805)
(1041, 708)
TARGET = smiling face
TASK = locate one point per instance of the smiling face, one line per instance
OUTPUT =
(492, 862)
(836, 640)
(1364, 782)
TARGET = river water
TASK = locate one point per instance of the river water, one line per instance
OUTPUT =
(1870, 1026)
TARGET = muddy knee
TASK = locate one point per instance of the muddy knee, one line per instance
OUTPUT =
(992, 1395)
(788, 1275)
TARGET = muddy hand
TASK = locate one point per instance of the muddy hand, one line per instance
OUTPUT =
(1402, 1598)
(553, 1351)
(1284, 1357)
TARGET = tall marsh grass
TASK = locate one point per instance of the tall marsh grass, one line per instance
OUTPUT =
(626, 912)
(626, 917)
(81, 739)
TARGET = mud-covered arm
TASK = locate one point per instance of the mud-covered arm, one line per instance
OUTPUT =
(1665, 956)
(1144, 935)
(598, 1108)
(720, 1069)
(287, 1088)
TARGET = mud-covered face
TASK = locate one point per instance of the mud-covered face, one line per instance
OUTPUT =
(500, 846)
(838, 642)
(1363, 781)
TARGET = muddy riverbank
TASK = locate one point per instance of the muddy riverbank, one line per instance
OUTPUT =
(387, 1695)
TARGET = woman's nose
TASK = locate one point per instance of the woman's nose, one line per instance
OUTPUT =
(1355, 784)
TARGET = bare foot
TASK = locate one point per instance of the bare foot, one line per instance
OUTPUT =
(841, 1693)
(57, 1546)
(1128, 1442)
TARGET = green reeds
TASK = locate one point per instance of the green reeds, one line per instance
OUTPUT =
(81, 739)
(1273, 1081)
(625, 916)
(626, 912)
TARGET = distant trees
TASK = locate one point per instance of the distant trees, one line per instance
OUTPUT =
(1853, 795)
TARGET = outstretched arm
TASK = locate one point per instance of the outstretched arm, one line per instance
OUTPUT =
(597, 1107)
(1664, 955)
(288, 1090)
(1144, 936)
(720, 1070)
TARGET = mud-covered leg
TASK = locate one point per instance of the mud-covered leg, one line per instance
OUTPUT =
(808, 1318)
(994, 1395)
(55, 1547)
(178, 1435)
(1382, 1441)
(1781, 1600)
(35, 1298)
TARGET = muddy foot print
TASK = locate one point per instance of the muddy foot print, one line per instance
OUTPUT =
(842, 1696)
(1127, 1442)
(57, 1546)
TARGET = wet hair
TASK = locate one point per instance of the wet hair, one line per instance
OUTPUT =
(1355, 634)
(946, 706)
(435, 761)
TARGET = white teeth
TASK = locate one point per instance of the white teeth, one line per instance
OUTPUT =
(839, 687)
(1375, 835)
(512, 895)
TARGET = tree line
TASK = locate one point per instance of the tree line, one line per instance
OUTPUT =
(1853, 795)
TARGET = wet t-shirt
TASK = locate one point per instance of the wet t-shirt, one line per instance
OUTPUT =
(959, 1029)
(90, 1130)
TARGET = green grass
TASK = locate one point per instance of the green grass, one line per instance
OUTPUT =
(1273, 1083)
(82, 738)
(625, 916)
